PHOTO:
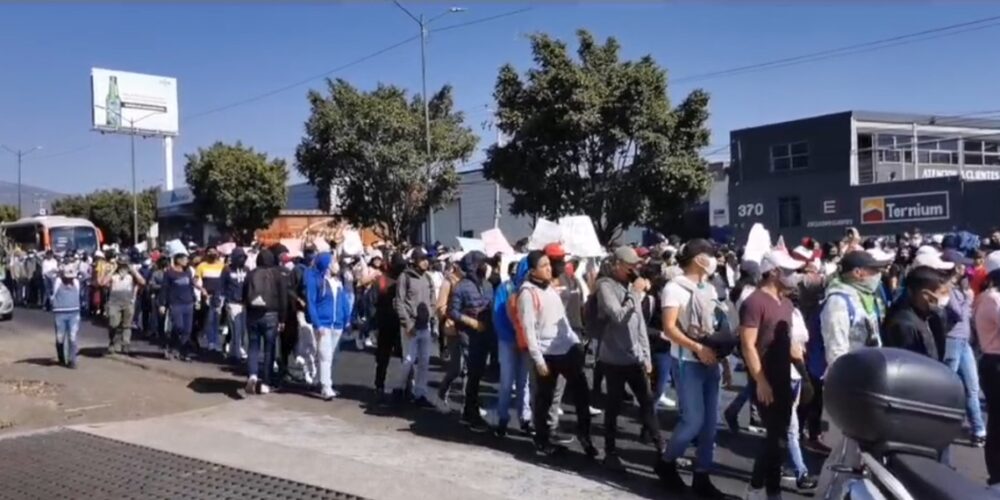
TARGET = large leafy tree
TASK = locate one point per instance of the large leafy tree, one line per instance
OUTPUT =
(598, 136)
(111, 211)
(369, 149)
(8, 213)
(237, 188)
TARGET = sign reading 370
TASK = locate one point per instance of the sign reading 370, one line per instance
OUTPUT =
(910, 207)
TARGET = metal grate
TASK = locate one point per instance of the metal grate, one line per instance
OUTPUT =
(73, 465)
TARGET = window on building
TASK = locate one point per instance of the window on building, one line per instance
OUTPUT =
(895, 148)
(982, 152)
(789, 212)
(785, 157)
(937, 150)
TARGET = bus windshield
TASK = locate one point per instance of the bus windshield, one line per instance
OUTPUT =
(79, 238)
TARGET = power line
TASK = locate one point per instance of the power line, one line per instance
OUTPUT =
(893, 41)
(481, 20)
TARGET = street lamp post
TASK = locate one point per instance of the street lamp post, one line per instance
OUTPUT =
(423, 24)
(20, 154)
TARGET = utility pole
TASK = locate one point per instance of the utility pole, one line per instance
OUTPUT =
(496, 185)
(135, 199)
(20, 154)
(423, 24)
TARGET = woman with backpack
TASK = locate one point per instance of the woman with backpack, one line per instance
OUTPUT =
(689, 319)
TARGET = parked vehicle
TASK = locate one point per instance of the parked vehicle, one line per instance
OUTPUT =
(898, 411)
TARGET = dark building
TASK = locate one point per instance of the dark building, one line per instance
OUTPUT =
(883, 173)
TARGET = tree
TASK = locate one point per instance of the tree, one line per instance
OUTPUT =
(597, 136)
(369, 149)
(8, 213)
(111, 211)
(237, 188)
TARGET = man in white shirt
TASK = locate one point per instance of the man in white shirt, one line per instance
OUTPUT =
(50, 270)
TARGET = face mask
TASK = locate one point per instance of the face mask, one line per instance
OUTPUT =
(871, 283)
(711, 265)
(289, 265)
(942, 302)
(790, 280)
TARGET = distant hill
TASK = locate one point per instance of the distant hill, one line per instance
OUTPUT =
(30, 197)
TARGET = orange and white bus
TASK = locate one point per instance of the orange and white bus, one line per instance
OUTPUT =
(54, 232)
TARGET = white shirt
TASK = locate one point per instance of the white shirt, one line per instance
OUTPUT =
(674, 295)
(50, 267)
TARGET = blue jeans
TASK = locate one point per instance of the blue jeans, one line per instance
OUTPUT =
(513, 377)
(212, 324)
(181, 323)
(663, 362)
(794, 450)
(959, 356)
(67, 326)
(263, 328)
(698, 396)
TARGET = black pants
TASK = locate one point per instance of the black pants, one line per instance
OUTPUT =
(989, 380)
(773, 450)
(570, 366)
(811, 415)
(388, 346)
(288, 339)
(480, 344)
(616, 378)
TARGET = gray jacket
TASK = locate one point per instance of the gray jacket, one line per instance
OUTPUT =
(414, 302)
(624, 340)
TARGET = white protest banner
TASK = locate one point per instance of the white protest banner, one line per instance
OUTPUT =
(294, 246)
(579, 237)
(352, 243)
(545, 232)
(141, 247)
(175, 247)
(495, 242)
(506, 260)
(470, 244)
(758, 243)
(226, 248)
(321, 245)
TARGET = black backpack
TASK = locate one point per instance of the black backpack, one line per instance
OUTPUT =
(262, 289)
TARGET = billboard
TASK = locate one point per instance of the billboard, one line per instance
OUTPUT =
(133, 102)
(911, 207)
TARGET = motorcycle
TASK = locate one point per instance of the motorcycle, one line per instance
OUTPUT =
(898, 411)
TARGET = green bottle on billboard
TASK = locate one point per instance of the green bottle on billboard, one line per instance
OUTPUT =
(113, 104)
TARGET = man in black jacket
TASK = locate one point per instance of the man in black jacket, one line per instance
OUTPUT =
(916, 322)
(266, 298)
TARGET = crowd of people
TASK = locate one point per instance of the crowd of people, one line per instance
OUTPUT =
(668, 319)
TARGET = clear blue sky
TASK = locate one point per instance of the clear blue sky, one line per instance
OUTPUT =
(221, 53)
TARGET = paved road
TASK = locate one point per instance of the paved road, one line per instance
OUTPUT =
(409, 447)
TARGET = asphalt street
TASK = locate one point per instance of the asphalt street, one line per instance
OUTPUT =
(173, 386)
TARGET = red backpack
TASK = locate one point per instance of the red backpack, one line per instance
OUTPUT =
(515, 317)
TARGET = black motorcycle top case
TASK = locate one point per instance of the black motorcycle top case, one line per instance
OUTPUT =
(887, 399)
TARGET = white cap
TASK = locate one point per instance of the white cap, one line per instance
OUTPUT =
(881, 255)
(803, 252)
(937, 238)
(933, 261)
(779, 259)
(993, 261)
(99, 254)
(928, 250)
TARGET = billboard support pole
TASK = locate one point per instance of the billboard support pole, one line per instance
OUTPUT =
(135, 202)
(168, 159)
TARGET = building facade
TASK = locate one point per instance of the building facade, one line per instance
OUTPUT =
(883, 173)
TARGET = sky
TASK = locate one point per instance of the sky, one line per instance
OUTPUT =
(226, 53)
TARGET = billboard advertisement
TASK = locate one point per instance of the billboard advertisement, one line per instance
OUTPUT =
(912, 207)
(133, 102)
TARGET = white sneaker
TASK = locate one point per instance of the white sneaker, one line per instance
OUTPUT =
(369, 343)
(559, 411)
(666, 403)
(329, 394)
(265, 389)
(752, 494)
(483, 413)
(359, 343)
(243, 354)
(251, 386)
(595, 411)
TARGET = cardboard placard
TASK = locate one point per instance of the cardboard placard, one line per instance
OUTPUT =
(545, 232)
(579, 237)
(758, 243)
(470, 244)
(294, 246)
(175, 247)
(495, 242)
(352, 243)
(226, 248)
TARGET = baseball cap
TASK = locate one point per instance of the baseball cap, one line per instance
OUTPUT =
(778, 259)
(927, 249)
(642, 252)
(554, 251)
(627, 255)
(881, 255)
(933, 261)
(802, 253)
(955, 257)
(418, 254)
(860, 259)
(993, 261)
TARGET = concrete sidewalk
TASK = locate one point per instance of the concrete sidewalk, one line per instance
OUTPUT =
(260, 436)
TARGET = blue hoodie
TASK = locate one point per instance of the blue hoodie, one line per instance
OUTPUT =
(327, 305)
(234, 277)
(501, 321)
(473, 295)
